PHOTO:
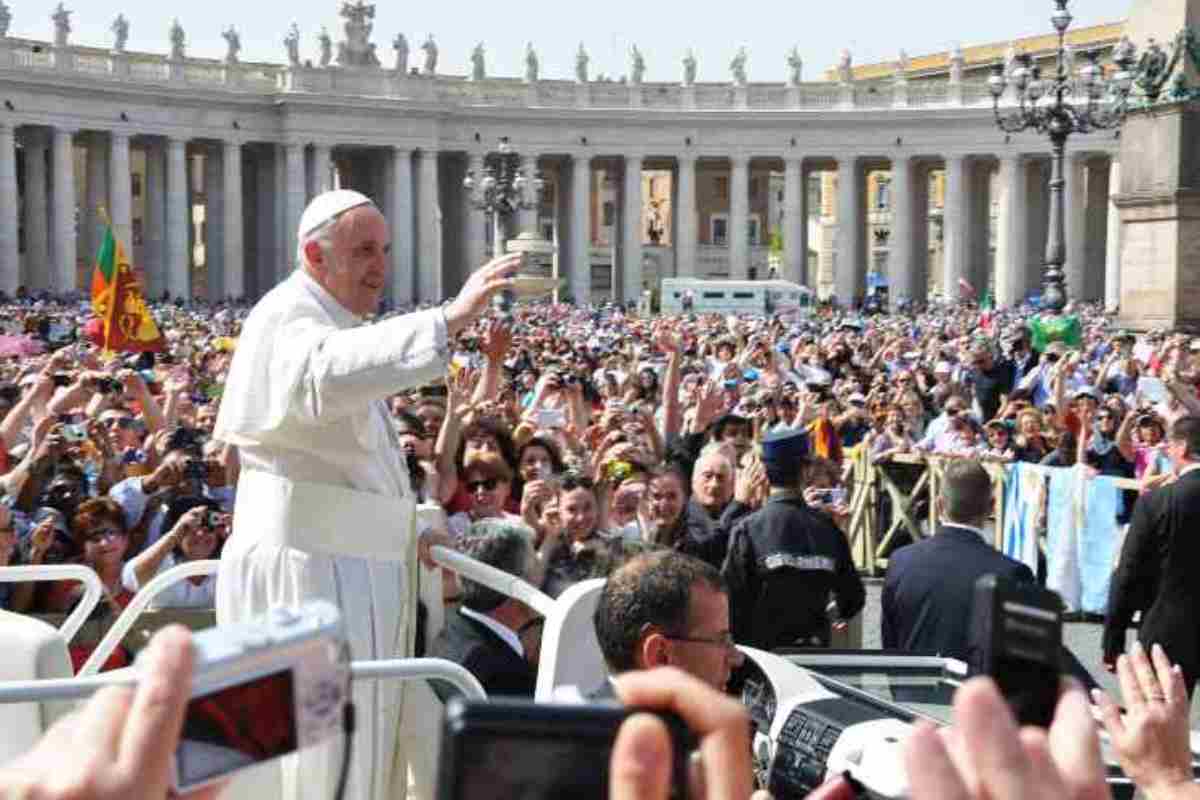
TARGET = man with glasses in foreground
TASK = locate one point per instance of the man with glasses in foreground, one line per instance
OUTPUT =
(663, 609)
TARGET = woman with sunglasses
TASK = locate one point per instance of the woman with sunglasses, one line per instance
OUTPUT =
(488, 481)
(1030, 444)
(99, 530)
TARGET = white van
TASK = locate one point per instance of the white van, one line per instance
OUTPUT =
(757, 298)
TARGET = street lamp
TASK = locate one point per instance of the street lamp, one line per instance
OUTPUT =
(1103, 105)
(503, 189)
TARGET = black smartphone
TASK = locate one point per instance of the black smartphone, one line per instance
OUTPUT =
(1017, 640)
(62, 379)
(436, 390)
(513, 748)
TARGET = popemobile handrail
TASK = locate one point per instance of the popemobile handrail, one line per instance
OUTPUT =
(139, 603)
(93, 589)
(404, 669)
(501, 581)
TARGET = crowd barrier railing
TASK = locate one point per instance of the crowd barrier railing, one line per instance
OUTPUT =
(93, 589)
(871, 482)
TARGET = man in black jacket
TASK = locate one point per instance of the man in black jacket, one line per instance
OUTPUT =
(485, 635)
(1156, 573)
(930, 586)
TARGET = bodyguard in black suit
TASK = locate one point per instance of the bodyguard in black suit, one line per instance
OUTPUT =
(930, 586)
(485, 635)
(1157, 571)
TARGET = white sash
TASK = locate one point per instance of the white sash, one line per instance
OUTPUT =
(327, 519)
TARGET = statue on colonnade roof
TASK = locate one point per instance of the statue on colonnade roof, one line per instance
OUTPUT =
(325, 45)
(638, 66)
(478, 66)
(400, 45)
(689, 68)
(292, 43)
(581, 65)
(430, 49)
(357, 50)
(795, 67)
(234, 42)
(846, 67)
(120, 29)
(737, 67)
(62, 25)
(5, 18)
(178, 41)
(532, 66)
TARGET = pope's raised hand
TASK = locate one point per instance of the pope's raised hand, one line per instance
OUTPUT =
(472, 301)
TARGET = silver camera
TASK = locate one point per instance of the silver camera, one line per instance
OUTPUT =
(262, 689)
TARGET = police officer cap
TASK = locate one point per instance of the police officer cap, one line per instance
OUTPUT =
(785, 447)
(328, 206)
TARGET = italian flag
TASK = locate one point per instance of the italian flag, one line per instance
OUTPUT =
(117, 301)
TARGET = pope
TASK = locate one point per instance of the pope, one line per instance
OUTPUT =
(324, 507)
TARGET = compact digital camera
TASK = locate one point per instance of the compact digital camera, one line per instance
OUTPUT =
(262, 689)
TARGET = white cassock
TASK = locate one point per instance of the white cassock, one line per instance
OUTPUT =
(324, 507)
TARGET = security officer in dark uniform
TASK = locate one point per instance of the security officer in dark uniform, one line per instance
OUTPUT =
(785, 559)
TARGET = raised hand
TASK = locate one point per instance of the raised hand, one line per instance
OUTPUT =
(495, 276)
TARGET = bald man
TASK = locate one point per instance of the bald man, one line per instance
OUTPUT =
(324, 507)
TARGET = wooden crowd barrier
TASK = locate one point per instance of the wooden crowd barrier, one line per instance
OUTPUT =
(871, 481)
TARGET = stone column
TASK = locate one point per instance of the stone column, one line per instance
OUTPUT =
(980, 226)
(285, 257)
(1037, 216)
(476, 220)
(1112, 255)
(295, 200)
(179, 220)
(235, 267)
(906, 217)
(739, 217)
(120, 185)
(214, 217)
(400, 205)
(37, 235)
(580, 269)
(269, 259)
(1075, 206)
(322, 169)
(795, 221)
(429, 229)
(10, 258)
(527, 218)
(956, 227)
(154, 256)
(95, 193)
(850, 277)
(1096, 229)
(64, 277)
(685, 232)
(631, 230)
(1012, 242)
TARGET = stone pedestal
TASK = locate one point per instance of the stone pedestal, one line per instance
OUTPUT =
(900, 94)
(583, 95)
(687, 97)
(635, 95)
(741, 97)
(1159, 203)
(794, 97)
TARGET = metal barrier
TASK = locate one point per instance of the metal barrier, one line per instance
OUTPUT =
(93, 589)
(501, 581)
(402, 669)
(139, 603)
(871, 482)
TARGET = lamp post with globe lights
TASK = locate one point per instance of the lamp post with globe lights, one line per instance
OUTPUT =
(503, 189)
(1057, 106)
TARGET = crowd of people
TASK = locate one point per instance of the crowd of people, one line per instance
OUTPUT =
(596, 434)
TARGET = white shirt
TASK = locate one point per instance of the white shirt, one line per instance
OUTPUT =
(181, 594)
(978, 531)
(499, 628)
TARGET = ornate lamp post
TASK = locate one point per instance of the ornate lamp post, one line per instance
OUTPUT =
(503, 189)
(1058, 106)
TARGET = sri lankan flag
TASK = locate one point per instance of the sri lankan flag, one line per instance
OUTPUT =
(117, 301)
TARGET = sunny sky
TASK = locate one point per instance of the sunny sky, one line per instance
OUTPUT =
(873, 31)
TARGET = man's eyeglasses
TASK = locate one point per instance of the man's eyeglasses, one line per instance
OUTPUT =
(487, 485)
(721, 640)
